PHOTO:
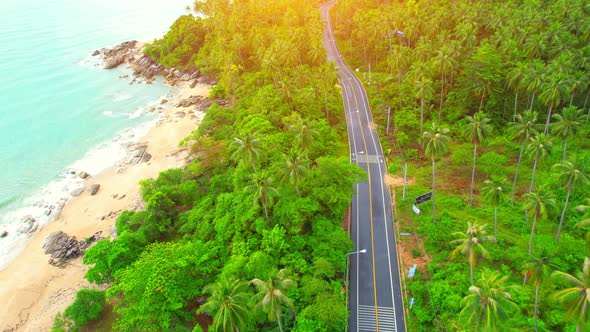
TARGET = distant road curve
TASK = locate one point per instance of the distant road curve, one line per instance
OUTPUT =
(376, 302)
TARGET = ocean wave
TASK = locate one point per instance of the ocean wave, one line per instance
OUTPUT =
(45, 204)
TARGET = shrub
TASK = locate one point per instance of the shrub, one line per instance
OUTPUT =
(88, 306)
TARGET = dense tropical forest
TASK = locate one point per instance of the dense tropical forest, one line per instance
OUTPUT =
(249, 235)
(489, 104)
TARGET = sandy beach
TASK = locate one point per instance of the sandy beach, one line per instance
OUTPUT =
(33, 291)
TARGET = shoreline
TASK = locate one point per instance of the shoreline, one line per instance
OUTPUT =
(35, 291)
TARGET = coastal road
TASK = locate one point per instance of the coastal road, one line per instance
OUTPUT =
(376, 303)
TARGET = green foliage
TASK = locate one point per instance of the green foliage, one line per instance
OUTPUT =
(88, 306)
(493, 164)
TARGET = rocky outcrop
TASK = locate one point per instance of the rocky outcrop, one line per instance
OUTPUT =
(138, 153)
(94, 189)
(61, 246)
(29, 225)
(77, 192)
(3, 234)
(83, 175)
(190, 101)
(143, 66)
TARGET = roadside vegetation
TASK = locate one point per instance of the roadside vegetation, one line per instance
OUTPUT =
(489, 108)
(249, 235)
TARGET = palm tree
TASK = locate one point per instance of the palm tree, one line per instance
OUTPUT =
(247, 149)
(569, 175)
(271, 296)
(495, 194)
(567, 125)
(534, 79)
(228, 304)
(422, 91)
(305, 135)
(471, 244)
(436, 144)
(514, 80)
(575, 297)
(539, 147)
(541, 202)
(264, 191)
(477, 129)
(489, 302)
(551, 96)
(293, 168)
(583, 223)
(445, 62)
(537, 270)
(523, 127)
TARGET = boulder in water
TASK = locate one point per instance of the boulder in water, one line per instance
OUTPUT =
(29, 225)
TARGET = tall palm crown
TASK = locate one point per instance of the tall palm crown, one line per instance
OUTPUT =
(264, 191)
(541, 203)
(569, 175)
(524, 126)
(540, 146)
(537, 270)
(247, 149)
(575, 297)
(567, 125)
(488, 302)
(228, 304)
(471, 244)
(271, 296)
(436, 144)
(293, 168)
(495, 194)
(305, 135)
(423, 91)
(552, 95)
(476, 129)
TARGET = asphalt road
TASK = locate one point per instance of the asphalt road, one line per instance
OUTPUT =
(375, 300)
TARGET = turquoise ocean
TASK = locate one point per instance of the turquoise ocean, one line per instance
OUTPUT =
(59, 110)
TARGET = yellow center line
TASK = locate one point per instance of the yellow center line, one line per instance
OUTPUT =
(370, 207)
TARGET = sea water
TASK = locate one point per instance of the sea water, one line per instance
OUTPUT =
(59, 110)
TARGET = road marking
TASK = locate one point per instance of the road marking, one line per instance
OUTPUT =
(367, 319)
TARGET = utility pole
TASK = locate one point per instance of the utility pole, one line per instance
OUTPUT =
(388, 112)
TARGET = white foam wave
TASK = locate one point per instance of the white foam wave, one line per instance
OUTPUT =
(45, 204)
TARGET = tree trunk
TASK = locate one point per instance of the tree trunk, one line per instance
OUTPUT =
(279, 321)
(265, 210)
(421, 115)
(480, 103)
(548, 120)
(533, 178)
(586, 99)
(572, 97)
(515, 104)
(442, 90)
(516, 174)
(496, 223)
(532, 102)
(471, 273)
(567, 199)
(473, 174)
(433, 200)
(564, 149)
(537, 307)
(399, 84)
(533, 230)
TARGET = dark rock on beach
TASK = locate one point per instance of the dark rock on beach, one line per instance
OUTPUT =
(190, 101)
(61, 246)
(83, 175)
(3, 234)
(94, 189)
(95, 53)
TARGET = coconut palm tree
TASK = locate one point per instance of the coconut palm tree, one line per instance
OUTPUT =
(247, 149)
(523, 127)
(471, 244)
(293, 168)
(541, 202)
(569, 175)
(539, 147)
(567, 125)
(552, 95)
(586, 222)
(228, 303)
(575, 295)
(476, 129)
(495, 193)
(515, 79)
(534, 79)
(264, 191)
(435, 143)
(423, 91)
(445, 63)
(305, 135)
(271, 296)
(488, 302)
(537, 270)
